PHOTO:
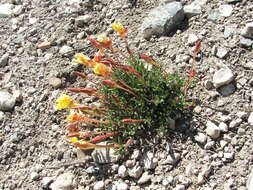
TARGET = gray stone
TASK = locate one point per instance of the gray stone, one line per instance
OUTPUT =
(104, 156)
(226, 10)
(192, 10)
(192, 39)
(82, 20)
(201, 138)
(214, 17)
(63, 182)
(1, 116)
(228, 31)
(235, 123)
(122, 171)
(212, 130)
(144, 178)
(208, 84)
(55, 82)
(250, 181)
(135, 172)
(6, 10)
(100, 185)
(66, 50)
(149, 161)
(229, 155)
(4, 60)
(34, 176)
(250, 118)
(122, 186)
(222, 52)
(46, 181)
(7, 101)
(222, 76)
(247, 31)
(248, 65)
(245, 42)
(163, 20)
(241, 131)
(227, 90)
(172, 159)
(17, 94)
(179, 187)
(92, 170)
(223, 127)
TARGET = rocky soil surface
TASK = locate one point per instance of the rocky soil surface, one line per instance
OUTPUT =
(38, 39)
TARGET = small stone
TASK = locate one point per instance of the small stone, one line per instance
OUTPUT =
(250, 181)
(212, 130)
(34, 176)
(172, 159)
(208, 84)
(17, 94)
(46, 181)
(135, 172)
(248, 65)
(149, 161)
(192, 39)
(245, 42)
(82, 20)
(122, 186)
(250, 118)
(136, 154)
(192, 10)
(228, 31)
(66, 50)
(221, 53)
(1, 116)
(130, 163)
(227, 90)
(222, 76)
(241, 131)
(223, 143)
(122, 171)
(242, 114)
(4, 60)
(228, 155)
(7, 101)
(92, 170)
(235, 123)
(167, 181)
(63, 182)
(179, 187)
(223, 127)
(247, 32)
(104, 155)
(209, 145)
(55, 82)
(226, 10)
(44, 45)
(99, 185)
(144, 178)
(6, 10)
(172, 124)
(201, 138)
(225, 118)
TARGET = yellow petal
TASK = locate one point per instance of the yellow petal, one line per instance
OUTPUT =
(64, 101)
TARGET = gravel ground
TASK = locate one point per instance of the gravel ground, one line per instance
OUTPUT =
(212, 152)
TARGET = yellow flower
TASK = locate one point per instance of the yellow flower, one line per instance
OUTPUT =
(64, 101)
(83, 59)
(104, 40)
(101, 69)
(73, 140)
(118, 27)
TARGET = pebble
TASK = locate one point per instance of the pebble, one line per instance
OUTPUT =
(250, 181)
(66, 50)
(162, 20)
(34, 176)
(172, 159)
(212, 130)
(229, 155)
(17, 94)
(223, 143)
(144, 178)
(104, 155)
(179, 187)
(250, 118)
(149, 161)
(1, 116)
(228, 31)
(135, 172)
(82, 20)
(136, 154)
(192, 10)
(192, 39)
(168, 180)
(208, 84)
(235, 123)
(7, 101)
(44, 45)
(100, 185)
(226, 10)
(122, 171)
(201, 138)
(4, 60)
(46, 181)
(223, 127)
(248, 65)
(6, 10)
(122, 186)
(227, 90)
(63, 182)
(55, 82)
(221, 53)
(209, 145)
(130, 163)
(247, 31)
(222, 76)
(245, 42)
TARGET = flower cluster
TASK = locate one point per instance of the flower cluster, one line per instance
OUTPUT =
(133, 99)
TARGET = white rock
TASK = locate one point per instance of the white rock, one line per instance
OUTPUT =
(7, 101)
(201, 138)
(66, 50)
(172, 159)
(149, 161)
(122, 186)
(229, 155)
(81, 20)
(6, 10)
(242, 114)
(144, 178)
(135, 172)
(4, 60)
(192, 10)
(100, 185)
(192, 39)
(104, 155)
(63, 182)
(223, 127)
(46, 181)
(247, 32)
(222, 77)
(235, 123)
(179, 187)
(34, 176)
(250, 181)
(212, 130)
(122, 171)
(250, 118)
(226, 10)
(222, 52)
(136, 154)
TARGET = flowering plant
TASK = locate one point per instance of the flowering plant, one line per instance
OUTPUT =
(138, 98)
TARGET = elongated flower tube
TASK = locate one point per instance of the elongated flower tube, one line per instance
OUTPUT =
(87, 145)
(76, 117)
(83, 59)
(104, 41)
(65, 101)
(89, 91)
(120, 29)
(101, 69)
(99, 138)
(95, 43)
(128, 120)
